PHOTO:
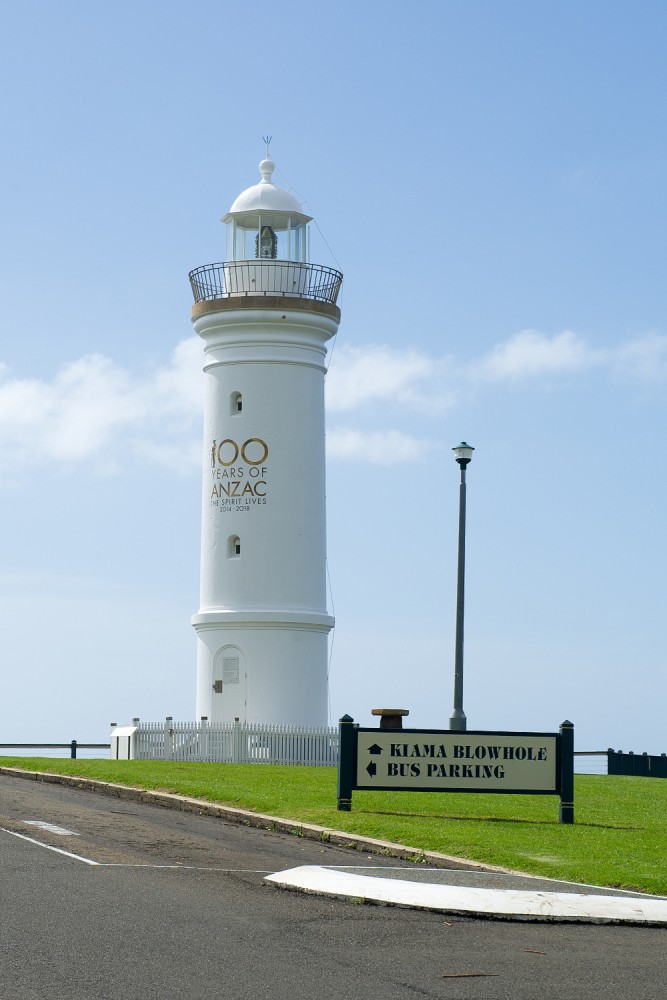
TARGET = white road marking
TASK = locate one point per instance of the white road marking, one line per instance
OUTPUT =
(112, 864)
(510, 903)
(51, 827)
(31, 840)
(488, 875)
(188, 868)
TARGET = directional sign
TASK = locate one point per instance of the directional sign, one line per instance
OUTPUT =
(420, 760)
(447, 761)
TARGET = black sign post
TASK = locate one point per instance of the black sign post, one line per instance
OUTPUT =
(420, 760)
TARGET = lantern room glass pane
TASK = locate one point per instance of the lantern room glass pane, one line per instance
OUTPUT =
(249, 241)
(298, 242)
(267, 238)
(239, 248)
(283, 248)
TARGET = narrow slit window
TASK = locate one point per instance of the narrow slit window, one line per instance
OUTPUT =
(236, 403)
(233, 547)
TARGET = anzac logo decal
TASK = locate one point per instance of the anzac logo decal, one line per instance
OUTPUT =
(239, 474)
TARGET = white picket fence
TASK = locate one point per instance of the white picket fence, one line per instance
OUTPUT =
(238, 743)
(235, 743)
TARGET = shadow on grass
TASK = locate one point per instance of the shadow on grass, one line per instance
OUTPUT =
(488, 819)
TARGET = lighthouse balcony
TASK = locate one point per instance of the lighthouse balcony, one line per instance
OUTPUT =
(243, 278)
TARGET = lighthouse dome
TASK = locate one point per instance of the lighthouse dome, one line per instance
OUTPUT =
(264, 198)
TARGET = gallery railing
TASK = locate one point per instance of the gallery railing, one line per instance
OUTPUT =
(267, 278)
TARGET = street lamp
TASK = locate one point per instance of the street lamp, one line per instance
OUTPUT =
(457, 720)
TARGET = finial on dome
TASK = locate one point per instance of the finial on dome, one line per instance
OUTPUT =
(267, 166)
(266, 169)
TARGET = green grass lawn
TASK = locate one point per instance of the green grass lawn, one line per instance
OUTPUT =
(619, 837)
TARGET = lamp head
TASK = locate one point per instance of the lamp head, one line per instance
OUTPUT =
(463, 453)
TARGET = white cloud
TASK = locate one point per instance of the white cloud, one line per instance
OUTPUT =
(641, 360)
(359, 376)
(180, 385)
(94, 409)
(529, 354)
(374, 447)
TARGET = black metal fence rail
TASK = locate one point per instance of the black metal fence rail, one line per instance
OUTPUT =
(265, 277)
(73, 746)
(642, 765)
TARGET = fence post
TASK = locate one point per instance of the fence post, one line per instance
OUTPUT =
(236, 743)
(610, 761)
(346, 763)
(73, 750)
(566, 809)
(203, 746)
(169, 738)
(135, 747)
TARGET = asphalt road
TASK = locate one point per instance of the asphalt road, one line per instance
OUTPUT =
(176, 907)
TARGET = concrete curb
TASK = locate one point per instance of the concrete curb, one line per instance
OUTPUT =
(246, 817)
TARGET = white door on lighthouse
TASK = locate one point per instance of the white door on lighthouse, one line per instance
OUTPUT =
(229, 685)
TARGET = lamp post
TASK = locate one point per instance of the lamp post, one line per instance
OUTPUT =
(457, 720)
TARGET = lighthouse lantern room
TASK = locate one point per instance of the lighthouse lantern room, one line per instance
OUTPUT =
(265, 316)
(266, 222)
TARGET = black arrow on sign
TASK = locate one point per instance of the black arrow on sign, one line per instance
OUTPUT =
(372, 769)
(375, 749)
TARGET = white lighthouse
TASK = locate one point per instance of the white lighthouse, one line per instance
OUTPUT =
(265, 316)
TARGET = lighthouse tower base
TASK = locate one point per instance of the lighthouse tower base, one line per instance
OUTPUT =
(255, 671)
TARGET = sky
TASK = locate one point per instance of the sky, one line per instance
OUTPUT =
(490, 179)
